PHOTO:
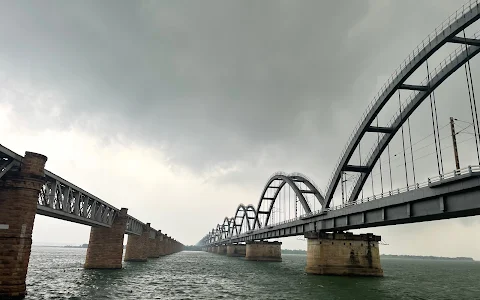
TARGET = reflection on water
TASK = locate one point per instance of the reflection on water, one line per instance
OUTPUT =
(57, 273)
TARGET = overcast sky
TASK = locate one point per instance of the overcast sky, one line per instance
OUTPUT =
(181, 110)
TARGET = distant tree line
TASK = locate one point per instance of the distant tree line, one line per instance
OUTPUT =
(426, 257)
(297, 251)
(192, 248)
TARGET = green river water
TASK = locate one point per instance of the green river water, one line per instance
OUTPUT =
(57, 273)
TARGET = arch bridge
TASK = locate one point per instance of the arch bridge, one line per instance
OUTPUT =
(318, 215)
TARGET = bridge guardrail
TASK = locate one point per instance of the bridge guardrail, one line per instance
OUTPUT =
(449, 175)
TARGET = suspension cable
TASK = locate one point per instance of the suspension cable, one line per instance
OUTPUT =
(341, 185)
(433, 122)
(380, 160)
(403, 139)
(470, 85)
(360, 162)
(411, 151)
(371, 176)
(390, 166)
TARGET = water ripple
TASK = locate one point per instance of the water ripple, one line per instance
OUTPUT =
(57, 273)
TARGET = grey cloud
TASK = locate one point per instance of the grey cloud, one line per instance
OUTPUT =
(260, 85)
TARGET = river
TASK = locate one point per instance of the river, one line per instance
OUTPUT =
(57, 273)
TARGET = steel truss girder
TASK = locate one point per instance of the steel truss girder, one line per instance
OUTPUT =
(421, 56)
(63, 200)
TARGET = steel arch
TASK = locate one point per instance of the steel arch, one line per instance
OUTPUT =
(396, 83)
(289, 179)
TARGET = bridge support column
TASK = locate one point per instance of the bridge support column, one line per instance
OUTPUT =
(236, 250)
(343, 254)
(222, 249)
(160, 244)
(19, 191)
(168, 245)
(152, 245)
(105, 247)
(263, 251)
(137, 245)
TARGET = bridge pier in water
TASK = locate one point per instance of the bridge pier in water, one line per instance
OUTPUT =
(19, 191)
(153, 244)
(160, 244)
(105, 247)
(236, 250)
(222, 249)
(138, 245)
(343, 254)
(263, 251)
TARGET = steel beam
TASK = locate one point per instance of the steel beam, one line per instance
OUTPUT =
(413, 87)
(465, 41)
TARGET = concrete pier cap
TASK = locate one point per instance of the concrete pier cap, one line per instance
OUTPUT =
(343, 253)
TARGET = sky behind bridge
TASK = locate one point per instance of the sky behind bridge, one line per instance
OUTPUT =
(181, 110)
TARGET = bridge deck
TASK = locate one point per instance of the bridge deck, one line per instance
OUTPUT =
(454, 197)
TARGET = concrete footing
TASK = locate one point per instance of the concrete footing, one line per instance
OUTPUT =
(19, 191)
(263, 251)
(137, 246)
(236, 250)
(343, 254)
(105, 247)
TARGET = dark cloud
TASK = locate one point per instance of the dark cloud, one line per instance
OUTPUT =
(261, 85)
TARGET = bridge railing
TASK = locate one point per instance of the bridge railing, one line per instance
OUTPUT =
(449, 175)
(446, 176)
(408, 60)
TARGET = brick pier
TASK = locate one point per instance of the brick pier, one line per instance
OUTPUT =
(19, 190)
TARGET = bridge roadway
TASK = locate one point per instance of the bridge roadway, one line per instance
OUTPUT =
(453, 195)
(64, 200)
(26, 189)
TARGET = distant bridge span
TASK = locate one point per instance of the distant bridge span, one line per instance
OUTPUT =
(449, 195)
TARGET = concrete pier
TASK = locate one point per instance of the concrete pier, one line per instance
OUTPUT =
(263, 251)
(105, 247)
(222, 249)
(159, 245)
(137, 246)
(19, 191)
(343, 254)
(168, 245)
(236, 250)
(152, 245)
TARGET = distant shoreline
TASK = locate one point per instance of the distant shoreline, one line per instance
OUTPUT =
(426, 257)
(304, 252)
